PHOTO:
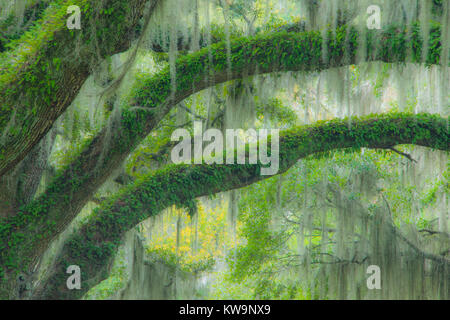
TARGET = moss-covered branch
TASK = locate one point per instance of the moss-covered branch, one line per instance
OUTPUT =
(43, 71)
(93, 246)
(15, 24)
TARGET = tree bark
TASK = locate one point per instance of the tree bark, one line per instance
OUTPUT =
(43, 74)
(19, 186)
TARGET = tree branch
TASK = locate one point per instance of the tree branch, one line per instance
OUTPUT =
(402, 154)
(398, 234)
(93, 246)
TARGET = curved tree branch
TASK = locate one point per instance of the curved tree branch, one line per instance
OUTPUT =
(94, 244)
(44, 72)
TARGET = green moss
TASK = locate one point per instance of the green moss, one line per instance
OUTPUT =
(37, 223)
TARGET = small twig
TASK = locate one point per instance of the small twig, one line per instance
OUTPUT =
(431, 232)
(403, 154)
(175, 126)
(140, 108)
(220, 114)
(397, 233)
(183, 106)
(98, 200)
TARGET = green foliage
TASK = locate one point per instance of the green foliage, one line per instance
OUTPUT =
(95, 243)
(268, 261)
(34, 72)
(92, 247)
(278, 112)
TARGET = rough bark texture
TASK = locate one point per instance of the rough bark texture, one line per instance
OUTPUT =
(19, 186)
(93, 246)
